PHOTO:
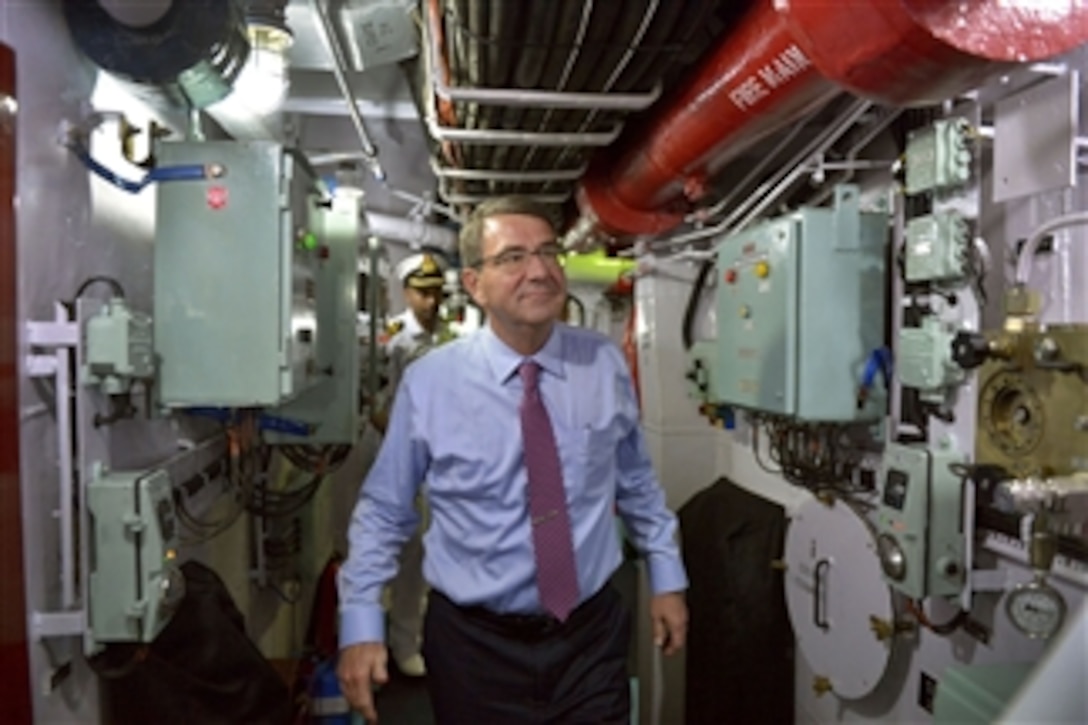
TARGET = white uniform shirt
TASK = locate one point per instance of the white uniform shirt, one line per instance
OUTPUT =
(407, 343)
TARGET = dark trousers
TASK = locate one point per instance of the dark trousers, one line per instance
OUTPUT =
(490, 669)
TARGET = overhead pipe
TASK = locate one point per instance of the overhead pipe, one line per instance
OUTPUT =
(784, 59)
(574, 23)
(339, 70)
(414, 232)
(771, 189)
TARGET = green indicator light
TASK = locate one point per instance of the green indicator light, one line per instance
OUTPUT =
(309, 241)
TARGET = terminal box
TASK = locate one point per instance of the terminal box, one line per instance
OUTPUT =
(135, 580)
(921, 540)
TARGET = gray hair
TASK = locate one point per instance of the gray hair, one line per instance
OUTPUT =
(471, 240)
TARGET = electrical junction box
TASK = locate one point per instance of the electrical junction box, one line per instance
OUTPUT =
(135, 583)
(119, 348)
(235, 259)
(379, 32)
(925, 359)
(921, 539)
(938, 156)
(937, 248)
(801, 308)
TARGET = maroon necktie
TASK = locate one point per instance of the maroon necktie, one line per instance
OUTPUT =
(556, 574)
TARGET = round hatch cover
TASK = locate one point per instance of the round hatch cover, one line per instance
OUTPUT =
(835, 594)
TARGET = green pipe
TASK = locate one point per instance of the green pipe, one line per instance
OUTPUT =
(596, 268)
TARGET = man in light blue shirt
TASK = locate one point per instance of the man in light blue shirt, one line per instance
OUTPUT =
(495, 650)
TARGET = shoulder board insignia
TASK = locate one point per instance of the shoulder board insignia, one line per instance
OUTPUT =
(394, 327)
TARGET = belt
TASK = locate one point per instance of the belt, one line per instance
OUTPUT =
(526, 625)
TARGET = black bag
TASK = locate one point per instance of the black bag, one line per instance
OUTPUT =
(740, 661)
(202, 668)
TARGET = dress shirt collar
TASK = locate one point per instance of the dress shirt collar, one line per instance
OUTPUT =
(504, 361)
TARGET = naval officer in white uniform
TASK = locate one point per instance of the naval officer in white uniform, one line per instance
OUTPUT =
(408, 336)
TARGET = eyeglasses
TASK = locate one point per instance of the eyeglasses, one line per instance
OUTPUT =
(517, 259)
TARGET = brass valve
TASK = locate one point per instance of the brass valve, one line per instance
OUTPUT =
(885, 630)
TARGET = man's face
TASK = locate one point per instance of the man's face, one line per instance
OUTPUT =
(424, 303)
(515, 286)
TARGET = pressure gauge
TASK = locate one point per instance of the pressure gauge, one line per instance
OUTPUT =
(1036, 608)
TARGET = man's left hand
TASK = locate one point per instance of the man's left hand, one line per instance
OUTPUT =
(669, 613)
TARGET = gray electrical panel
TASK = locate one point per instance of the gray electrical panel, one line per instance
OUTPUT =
(235, 260)
(800, 310)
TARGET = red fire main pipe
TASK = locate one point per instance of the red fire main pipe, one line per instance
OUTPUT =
(787, 57)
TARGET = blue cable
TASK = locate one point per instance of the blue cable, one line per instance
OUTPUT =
(880, 361)
(283, 425)
(191, 172)
(264, 421)
(220, 414)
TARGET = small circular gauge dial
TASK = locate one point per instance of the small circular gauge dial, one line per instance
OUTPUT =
(1036, 609)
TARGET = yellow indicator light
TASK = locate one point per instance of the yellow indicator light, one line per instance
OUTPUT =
(763, 270)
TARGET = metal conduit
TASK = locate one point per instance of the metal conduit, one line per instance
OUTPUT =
(771, 191)
(566, 69)
(617, 70)
(339, 64)
(753, 175)
(502, 23)
(672, 32)
(522, 158)
(498, 139)
(604, 26)
(850, 162)
(614, 54)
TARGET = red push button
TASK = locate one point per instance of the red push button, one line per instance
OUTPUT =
(217, 197)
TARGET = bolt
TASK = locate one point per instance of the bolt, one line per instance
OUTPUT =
(1021, 415)
(1046, 349)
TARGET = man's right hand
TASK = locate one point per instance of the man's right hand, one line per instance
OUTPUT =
(361, 667)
